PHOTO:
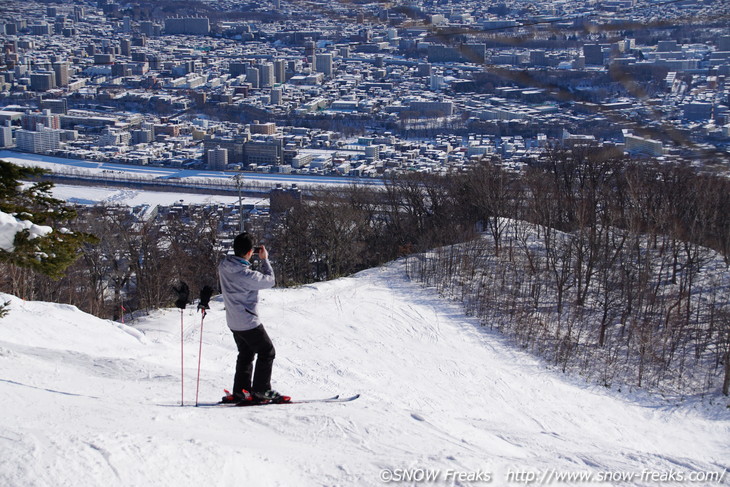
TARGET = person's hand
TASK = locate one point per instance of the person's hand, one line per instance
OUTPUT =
(263, 253)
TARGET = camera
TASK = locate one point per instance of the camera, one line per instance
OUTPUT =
(256, 250)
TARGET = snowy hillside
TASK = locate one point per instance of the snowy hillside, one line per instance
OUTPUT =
(87, 402)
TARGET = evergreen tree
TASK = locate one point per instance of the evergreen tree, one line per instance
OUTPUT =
(49, 254)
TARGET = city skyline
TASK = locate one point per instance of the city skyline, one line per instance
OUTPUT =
(363, 90)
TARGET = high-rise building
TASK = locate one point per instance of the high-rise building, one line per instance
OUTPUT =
(266, 75)
(437, 82)
(252, 76)
(264, 152)
(142, 136)
(323, 64)
(277, 96)
(237, 69)
(41, 29)
(61, 70)
(121, 70)
(593, 54)
(38, 142)
(125, 46)
(217, 159)
(79, 13)
(372, 152)
(280, 71)
(147, 27)
(42, 80)
(310, 47)
(6, 135)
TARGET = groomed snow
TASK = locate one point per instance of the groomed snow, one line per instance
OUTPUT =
(88, 402)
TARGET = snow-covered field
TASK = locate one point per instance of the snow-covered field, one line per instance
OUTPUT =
(91, 195)
(88, 402)
(89, 168)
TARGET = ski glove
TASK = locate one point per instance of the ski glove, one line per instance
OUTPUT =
(183, 293)
(205, 295)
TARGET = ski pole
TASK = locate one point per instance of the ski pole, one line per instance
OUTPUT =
(183, 292)
(200, 356)
(203, 305)
(182, 361)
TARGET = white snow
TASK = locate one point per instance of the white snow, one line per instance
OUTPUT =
(10, 226)
(92, 195)
(87, 402)
(101, 170)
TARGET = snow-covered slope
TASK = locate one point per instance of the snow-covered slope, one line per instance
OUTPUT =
(87, 402)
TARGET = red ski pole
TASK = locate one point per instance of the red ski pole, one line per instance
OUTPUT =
(205, 295)
(182, 362)
(183, 292)
(200, 356)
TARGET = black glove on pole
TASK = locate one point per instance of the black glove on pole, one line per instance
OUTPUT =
(183, 294)
(204, 301)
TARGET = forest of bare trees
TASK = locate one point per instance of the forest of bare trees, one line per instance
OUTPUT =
(612, 267)
(133, 263)
(615, 269)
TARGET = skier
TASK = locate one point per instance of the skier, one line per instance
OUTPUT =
(240, 286)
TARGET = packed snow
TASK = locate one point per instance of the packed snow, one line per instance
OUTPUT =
(88, 402)
(10, 226)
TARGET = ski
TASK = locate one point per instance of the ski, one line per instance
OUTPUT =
(333, 399)
(303, 401)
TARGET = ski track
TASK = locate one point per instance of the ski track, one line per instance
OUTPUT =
(86, 402)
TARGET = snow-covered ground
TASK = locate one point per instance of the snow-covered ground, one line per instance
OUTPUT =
(102, 169)
(92, 195)
(88, 402)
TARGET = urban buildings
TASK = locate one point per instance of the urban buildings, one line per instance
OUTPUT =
(361, 90)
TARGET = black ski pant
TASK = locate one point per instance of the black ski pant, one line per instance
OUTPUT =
(252, 343)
